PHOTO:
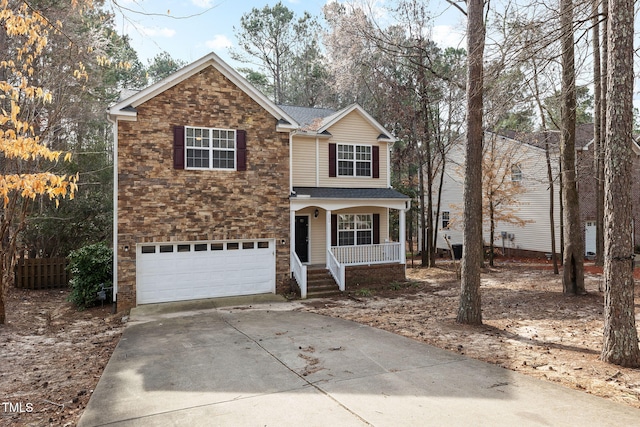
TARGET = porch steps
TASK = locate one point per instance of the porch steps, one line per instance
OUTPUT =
(320, 284)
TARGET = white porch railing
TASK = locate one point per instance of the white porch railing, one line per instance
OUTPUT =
(383, 253)
(337, 271)
(300, 274)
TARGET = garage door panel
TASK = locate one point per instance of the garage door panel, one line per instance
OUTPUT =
(218, 271)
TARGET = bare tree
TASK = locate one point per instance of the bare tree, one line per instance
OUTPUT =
(620, 334)
(550, 177)
(501, 185)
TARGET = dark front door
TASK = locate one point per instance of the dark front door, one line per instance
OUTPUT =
(302, 238)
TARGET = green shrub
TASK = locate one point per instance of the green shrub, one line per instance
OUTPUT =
(364, 292)
(91, 268)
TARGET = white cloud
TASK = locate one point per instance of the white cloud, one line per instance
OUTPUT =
(448, 36)
(205, 4)
(156, 31)
(219, 42)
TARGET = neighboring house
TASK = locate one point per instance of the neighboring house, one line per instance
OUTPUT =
(522, 164)
(534, 238)
(587, 187)
(220, 192)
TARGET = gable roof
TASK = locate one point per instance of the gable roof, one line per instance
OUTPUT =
(317, 121)
(584, 136)
(125, 109)
(339, 115)
(306, 116)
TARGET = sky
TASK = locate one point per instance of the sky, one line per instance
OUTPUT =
(190, 29)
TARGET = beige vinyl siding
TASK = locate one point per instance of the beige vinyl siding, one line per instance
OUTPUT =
(352, 129)
(317, 238)
(317, 226)
(304, 162)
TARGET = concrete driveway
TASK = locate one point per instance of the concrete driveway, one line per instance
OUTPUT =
(266, 365)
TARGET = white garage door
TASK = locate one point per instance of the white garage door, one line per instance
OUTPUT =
(185, 271)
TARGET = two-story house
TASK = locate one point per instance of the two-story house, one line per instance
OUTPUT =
(220, 192)
(515, 172)
(526, 163)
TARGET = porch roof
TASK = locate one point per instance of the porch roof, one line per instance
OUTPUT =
(348, 193)
(340, 198)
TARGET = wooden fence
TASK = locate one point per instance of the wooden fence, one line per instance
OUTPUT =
(42, 273)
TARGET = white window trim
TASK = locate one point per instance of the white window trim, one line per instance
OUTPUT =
(516, 173)
(448, 219)
(355, 229)
(354, 161)
(211, 149)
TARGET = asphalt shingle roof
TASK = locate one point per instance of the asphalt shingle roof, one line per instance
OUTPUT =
(348, 193)
(305, 116)
(584, 135)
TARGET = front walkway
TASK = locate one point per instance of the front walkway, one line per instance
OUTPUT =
(268, 365)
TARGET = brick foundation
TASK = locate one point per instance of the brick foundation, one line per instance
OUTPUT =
(372, 275)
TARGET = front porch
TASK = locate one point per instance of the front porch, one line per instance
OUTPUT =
(342, 229)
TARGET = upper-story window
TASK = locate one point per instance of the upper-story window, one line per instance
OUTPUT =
(210, 148)
(445, 220)
(354, 160)
(516, 173)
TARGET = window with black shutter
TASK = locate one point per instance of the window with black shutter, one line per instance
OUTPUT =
(209, 148)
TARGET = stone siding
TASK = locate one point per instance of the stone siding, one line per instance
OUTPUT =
(157, 203)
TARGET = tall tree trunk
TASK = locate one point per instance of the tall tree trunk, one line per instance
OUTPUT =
(439, 203)
(620, 335)
(598, 165)
(550, 180)
(430, 231)
(423, 221)
(547, 152)
(470, 309)
(603, 125)
(573, 275)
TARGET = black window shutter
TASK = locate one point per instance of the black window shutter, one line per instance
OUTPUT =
(332, 160)
(178, 147)
(375, 157)
(376, 229)
(241, 150)
(334, 230)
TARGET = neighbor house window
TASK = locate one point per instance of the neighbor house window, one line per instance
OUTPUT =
(445, 220)
(516, 173)
(355, 229)
(209, 148)
(354, 160)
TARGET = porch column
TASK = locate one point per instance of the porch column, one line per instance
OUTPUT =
(328, 236)
(292, 238)
(402, 226)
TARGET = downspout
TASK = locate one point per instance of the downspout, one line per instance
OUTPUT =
(317, 162)
(114, 124)
(290, 163)
(388, 165)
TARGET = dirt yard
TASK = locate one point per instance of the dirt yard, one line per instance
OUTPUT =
(529, 325)
(53, 356)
